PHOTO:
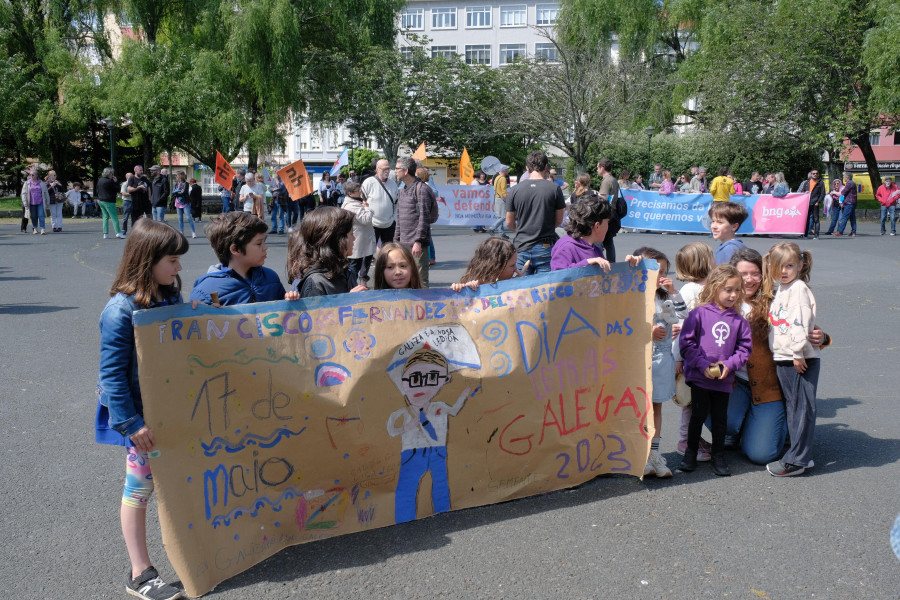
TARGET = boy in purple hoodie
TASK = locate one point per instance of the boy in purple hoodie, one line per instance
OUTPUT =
(715, 342)
(588, 220)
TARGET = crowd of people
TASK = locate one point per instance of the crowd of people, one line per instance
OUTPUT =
(752, 383)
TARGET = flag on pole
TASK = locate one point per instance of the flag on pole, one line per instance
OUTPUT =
(224, 172)
(466, 172)
(420, 152)
(267, 177)
(296, 180)
(340, 162)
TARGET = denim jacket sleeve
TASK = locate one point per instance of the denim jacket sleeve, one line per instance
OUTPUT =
(118, 386)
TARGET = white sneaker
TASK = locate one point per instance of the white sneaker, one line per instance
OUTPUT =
(42, 231)
(105, 236)
(662, 469)
(290, 230)
(650, 469)
(120, 235)
(193, 235)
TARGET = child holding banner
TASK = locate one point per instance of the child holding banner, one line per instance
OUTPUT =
(715, 342)
(239, 241)
(494, 260)
(317, 255)
(669, 309)
(147, 278)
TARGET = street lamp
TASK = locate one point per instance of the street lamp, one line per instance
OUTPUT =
(649, 132)
(351, 129)
(110, 124)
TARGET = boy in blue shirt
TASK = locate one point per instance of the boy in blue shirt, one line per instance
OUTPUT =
(725, 219)
(239, 241)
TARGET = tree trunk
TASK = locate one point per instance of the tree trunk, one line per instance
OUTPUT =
(252, 158)
(865, 146)
(147, 146)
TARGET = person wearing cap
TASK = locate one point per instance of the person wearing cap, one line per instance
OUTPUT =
(139, 188)
(159, 193)
(887, 194)
(698, 182)
(501, 185)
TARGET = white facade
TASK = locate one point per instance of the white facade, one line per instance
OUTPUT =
(488, 33)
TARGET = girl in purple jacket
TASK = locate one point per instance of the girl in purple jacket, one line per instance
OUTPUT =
(715, 343)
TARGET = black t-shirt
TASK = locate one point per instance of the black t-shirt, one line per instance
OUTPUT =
(142, 194)
(754, 187)
(535, 202)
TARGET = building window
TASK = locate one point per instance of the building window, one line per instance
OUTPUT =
(546, 52)
(446, 51)
(406, 52)
(546, 14)
(443, 18)
(513, 16)
(875, 138)
(897, 138)
(510, 52)
(412, 19)
(478, 16)
(478, 55)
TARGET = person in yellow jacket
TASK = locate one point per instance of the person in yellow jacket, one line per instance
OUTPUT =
(722, 186)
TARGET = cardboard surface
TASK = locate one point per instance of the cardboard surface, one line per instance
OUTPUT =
(288, 422)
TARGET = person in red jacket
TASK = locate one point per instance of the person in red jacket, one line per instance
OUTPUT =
(887, 194)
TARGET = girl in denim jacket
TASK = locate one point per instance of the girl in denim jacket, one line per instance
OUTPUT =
(147, 278)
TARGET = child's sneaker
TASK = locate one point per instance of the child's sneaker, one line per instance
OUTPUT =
(149, 586)
(783, 469)
(662, 469)
(704, 453)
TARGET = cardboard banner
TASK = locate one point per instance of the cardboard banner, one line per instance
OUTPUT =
(224, 173)
(688, 212)
(289, 422)
(469, 205)
(296, 180)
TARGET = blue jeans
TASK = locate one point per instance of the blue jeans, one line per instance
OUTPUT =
(276, 212)
(293, 212)
(499, 226)
(539, 255)
(181, 218)
(413, 466)
(762, 427)
(835, 214)
(226, 204)
(885, 212)
(159, 213)
(847, 213)
(37, 215)
(126, 212)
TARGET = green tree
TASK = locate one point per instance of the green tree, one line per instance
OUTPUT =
(585, 95)
(783, 76)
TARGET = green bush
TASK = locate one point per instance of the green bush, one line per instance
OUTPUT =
(678, 153)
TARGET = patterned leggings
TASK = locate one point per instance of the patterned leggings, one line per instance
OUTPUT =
(138, 479)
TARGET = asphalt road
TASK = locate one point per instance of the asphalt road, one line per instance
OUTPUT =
(823, 535)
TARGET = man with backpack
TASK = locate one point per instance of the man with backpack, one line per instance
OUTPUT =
(609, 189)
(416, 211)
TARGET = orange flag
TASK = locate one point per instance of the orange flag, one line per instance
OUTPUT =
(466, 172)
(420, 152)
(296, 180)
(224, 172)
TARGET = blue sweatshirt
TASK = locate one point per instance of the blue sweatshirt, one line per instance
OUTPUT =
(262, 285)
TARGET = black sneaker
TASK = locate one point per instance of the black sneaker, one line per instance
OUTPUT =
(689, 462)
(149, 586)
(720, 465)
(783, 469)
